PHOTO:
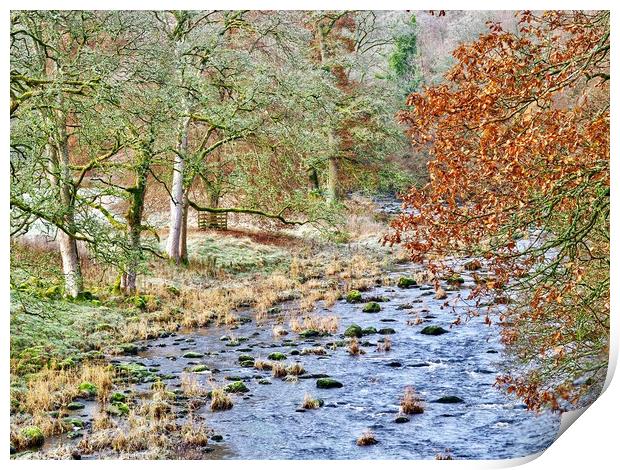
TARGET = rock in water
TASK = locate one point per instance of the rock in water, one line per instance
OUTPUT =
(433, 330)
(328, 383)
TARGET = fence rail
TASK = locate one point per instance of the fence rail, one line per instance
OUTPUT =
(213, 220)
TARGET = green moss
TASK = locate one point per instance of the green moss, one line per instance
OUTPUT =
(371, 330)
(371, 307)
(74, 422)
(236, 387)
(433, 330)
(354, 331)
(87, 389)
(118, 409)
(75, 406)
(354, 296)
(193, 355)
(32, 436)
(276, 356)
(309, 334)
(406, 282)
(246, 358)
(328, 383)
(386, 331)
(118, 397)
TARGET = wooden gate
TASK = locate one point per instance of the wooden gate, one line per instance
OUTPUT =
(216, 220)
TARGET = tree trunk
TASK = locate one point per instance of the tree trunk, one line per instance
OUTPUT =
(60, 178)
(134, 222)
(332, 172)
(176, 202)
(183, 242)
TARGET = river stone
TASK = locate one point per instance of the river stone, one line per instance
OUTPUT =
(433, 330)
(371, 330)
(193, 355)
(245, 358)
(276, 356)
(353, 331)
(75, 406)
(371, 307)
(309, 334)
(354, 296)
(406, 282)
(387, 331)
(328, 383)
(449, 399)
(236, 387)
(401, 419)
(394, 364)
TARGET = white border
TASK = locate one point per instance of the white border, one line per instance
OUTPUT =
(590, 443)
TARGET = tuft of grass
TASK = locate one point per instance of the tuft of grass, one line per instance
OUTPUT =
(295, 368)
(310, 403)
(366, 439)
(385, 345)
(354, 347)
(410, 403)
(220, 400)
(278, 370)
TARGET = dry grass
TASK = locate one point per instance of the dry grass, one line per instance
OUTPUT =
(310, 403)
(191, 387)
(410, 403)
(322, 324)
(317, 351)
(220, 400)
(261, 364)
(354, 347)
(295, 369)
(278, 331)
(278, 370)
(385, 345)
(366, 439)
(194, 433)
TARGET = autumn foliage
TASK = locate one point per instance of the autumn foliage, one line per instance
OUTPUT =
(519, 176)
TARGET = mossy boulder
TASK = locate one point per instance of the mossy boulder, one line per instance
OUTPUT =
(309, 334)
(74, 405)
(354, 297)
(118, 409)
(118, 397)
(455, 279)
(353, 331)
(74, 422)
(264, 382)
(371, 307)
(449, 399)
(406, 282)
(433, 330)
(327, 383)
(236, 387)
(387, 331)
(32, 436)
(371, 330)
(276, 356)
(87, 389)
(200, 368)
(245, 358)
(193, 355)
(128, 348)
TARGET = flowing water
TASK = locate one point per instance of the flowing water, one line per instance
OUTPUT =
(267, 422)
